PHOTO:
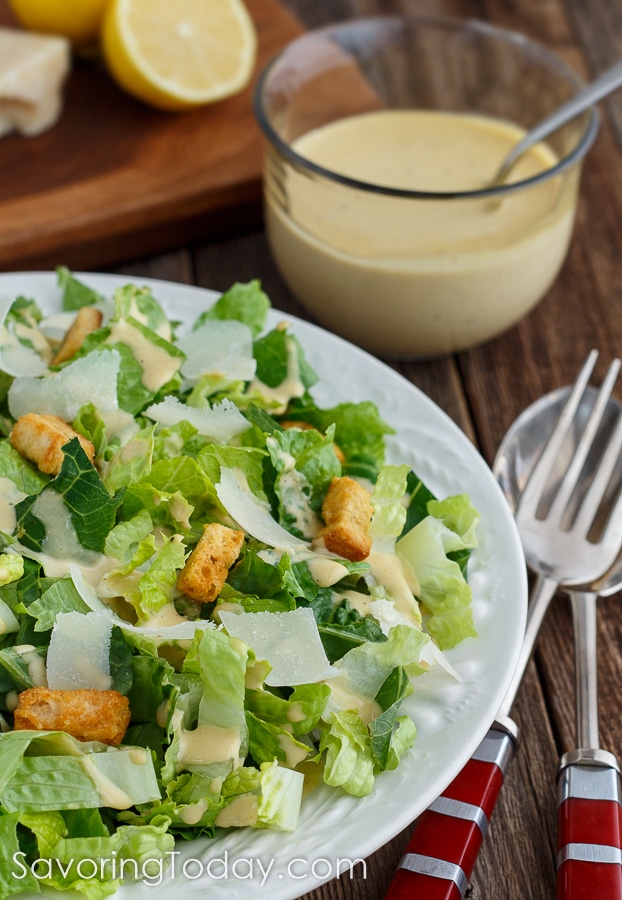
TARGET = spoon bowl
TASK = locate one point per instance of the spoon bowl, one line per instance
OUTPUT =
(520, 449)
(605, 84)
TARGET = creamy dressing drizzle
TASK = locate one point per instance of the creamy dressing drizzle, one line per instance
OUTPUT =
(293, 754)
(35, 663)
(291, 487)
(157, 364)
(10, 495)
(111, 795)
(243, 810)
(193, 812)
(119, 423)
(387, 570)
(358, 601)
(325, 571)
(166, 616)
(290, 387)
(342, 695)
(61, 541)
(208, 744)
(163, 330)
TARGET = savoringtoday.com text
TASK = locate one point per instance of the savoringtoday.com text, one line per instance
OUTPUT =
(153, 871)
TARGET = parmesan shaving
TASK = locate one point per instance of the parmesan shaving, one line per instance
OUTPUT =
(289, 641)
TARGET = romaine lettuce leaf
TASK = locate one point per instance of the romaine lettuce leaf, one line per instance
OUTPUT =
(444, 591)
(242, 302)
(91, 509)
(359, 433)
(75, 293)
(349, 759)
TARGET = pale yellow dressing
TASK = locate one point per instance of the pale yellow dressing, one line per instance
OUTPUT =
(111, 795)
(10, 495)
(240, 812)
(208, 744)
(419, 276)
(387, 569)
(157, 364)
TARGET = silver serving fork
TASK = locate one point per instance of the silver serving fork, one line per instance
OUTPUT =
(555, 515)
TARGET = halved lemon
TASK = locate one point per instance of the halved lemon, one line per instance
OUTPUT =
(77, 20)
(181, 54)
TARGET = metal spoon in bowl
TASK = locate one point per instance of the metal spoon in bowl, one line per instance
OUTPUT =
(589, 780)
(605, 84)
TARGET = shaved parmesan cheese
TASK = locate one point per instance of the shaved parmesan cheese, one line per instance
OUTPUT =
(185, 630)
(222, 421)
(79, 652)
(289, 641)
(17, 358)
(433, 656)
(242, 505)
(91, 378)
(33, 68)
(221, 348)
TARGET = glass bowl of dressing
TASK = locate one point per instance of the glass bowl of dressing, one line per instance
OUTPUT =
(382, 138)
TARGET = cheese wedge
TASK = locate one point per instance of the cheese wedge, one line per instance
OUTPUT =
(33, 68)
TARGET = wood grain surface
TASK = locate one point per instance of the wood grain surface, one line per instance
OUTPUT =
(113, 169)
(483, 390)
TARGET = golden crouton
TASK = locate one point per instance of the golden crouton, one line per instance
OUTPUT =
(41, 437)
(306, 426)
(88, 319)
(207, 567)
(88, 715)
(347, 513)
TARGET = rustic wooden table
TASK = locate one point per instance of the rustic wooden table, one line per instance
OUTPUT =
(483, 390)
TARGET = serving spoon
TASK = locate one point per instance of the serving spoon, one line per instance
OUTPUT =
(588, 776)
(445, 843)
(609, 81)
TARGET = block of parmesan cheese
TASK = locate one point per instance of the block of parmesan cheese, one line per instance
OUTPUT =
(33, 68)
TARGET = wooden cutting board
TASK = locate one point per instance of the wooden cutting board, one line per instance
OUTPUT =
(115, 179)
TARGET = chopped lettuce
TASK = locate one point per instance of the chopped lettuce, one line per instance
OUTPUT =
(299, 661)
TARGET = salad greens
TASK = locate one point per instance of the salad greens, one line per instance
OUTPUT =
(302, 660)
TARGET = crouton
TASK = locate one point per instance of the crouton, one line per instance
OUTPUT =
(86, 714)
(41, 437)
(206, 569)
(88, 320)
(306, 426)
(347, 513)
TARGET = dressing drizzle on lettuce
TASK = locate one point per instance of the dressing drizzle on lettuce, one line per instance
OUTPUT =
(302, 661)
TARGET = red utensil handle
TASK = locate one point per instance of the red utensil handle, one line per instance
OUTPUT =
(441, 855)
(589, 857)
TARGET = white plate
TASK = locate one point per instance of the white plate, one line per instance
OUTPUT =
(451, 718)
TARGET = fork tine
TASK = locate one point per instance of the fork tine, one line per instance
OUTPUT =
(613, 529)
(582, 449)
(600, 482)
(540, 473)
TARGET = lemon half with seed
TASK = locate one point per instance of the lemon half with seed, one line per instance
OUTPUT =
(182, 54)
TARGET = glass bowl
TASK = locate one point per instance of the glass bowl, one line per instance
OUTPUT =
(382, 135)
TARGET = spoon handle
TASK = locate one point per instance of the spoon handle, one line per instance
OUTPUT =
(589, 858)
(609, 81)
(589, 855)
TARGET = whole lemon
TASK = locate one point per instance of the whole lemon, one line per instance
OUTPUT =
(77, 20)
